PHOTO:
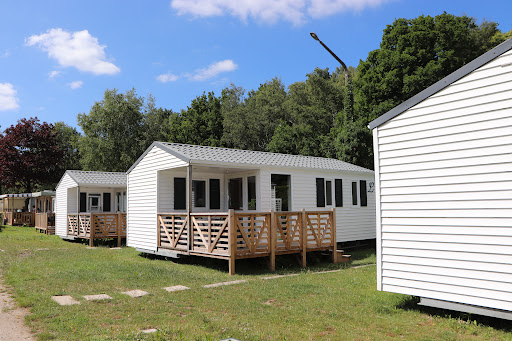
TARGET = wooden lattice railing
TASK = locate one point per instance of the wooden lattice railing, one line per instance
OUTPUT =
(45, 222)
(243, 235)
(104, 225)
(20, 218)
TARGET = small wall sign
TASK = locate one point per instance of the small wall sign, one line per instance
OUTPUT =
(371, 187)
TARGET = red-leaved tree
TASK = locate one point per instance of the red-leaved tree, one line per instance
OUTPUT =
(30, 155)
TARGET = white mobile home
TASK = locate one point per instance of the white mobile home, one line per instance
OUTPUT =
(443, 170)
(85, 198)
(204, 180)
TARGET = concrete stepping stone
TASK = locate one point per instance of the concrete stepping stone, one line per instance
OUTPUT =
(214, 285)
(278, 276)
(45, 249)
(176, 288)
(135, 293)
(97, 297)
(361, 266)
(91, 248)
(326, 272)
(65, 300)
(149, 331)
(115, 248)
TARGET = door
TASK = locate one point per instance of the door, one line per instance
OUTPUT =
(235, 194)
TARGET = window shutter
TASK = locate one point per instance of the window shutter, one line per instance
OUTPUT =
(354, 193)
(338, 192)
(106, 202)
(214, 194)
(180, 193)
(320, 192)
(362, 192)
(83, 202)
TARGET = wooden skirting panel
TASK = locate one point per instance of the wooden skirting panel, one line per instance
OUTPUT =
(234, 236)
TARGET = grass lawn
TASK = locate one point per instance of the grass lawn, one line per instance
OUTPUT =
(330, 306)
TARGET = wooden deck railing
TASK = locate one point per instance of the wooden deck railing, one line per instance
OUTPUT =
(97, 226)
(45, 222)
(20, 218)
(247, 235)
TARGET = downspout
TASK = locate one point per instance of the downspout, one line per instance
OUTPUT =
(189, 206)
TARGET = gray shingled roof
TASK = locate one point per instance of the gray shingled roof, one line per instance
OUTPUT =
(97, 178)
(207, 154)
(443, 83)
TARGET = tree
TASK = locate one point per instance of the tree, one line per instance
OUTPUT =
(68, 138)
(414, 54)
(113, 132)
(155, 123)
(31, 156)
(200, 124)
(251, 125)
(311, 107)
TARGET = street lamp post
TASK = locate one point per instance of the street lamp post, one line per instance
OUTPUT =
(332, 53)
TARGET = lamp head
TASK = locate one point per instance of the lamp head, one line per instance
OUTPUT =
(314, 36)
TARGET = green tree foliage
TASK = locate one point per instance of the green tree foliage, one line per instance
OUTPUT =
(311, 108)
(113, 132)
(414, 54)
(68, 138)
(200, 124)
(251, 124)
(155, 123)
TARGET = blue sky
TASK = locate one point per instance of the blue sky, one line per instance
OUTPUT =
(58, 57)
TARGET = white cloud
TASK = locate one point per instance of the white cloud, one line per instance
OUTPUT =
(8, 98)
(74, 49)
(76, 85)
(295, 11)
(213, 70)
(167, 77)
(54, 74)
(5, 54)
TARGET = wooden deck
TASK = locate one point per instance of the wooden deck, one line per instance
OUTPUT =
(20, 218)
(45, 223)
(233, 236)
(104, 225)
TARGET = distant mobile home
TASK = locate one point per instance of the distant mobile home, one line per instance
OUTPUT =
(170, 180)
(85, 199)
(443, 170)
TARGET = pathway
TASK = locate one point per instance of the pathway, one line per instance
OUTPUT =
(12, 327)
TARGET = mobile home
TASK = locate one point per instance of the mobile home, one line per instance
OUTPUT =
(443, 171)
(171, 181)
(91, 205)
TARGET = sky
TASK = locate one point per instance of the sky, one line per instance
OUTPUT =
(57, 58)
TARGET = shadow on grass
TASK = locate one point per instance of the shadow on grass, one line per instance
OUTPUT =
(285, 264)
(411, 304)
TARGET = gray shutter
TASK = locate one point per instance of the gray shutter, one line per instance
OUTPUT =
(214, 194)
(338, 192)
(362, 193)
(320, 192)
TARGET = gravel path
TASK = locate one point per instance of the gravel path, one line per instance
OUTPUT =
(12, 327)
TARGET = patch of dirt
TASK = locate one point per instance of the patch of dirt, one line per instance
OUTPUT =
(12, 327)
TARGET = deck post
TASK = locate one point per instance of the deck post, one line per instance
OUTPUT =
(333, 236)
(189, 208)
(304, 236)
(91, 234)
(273, 241)
(118, 228)
(232, 229)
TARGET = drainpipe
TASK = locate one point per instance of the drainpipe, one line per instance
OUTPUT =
(189, 206)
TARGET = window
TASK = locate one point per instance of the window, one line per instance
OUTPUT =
(199, 193)
(94, 202)
(354, 193)
(338, 192)
(214, 194)
(106, 202)
(320, 192)
(280, 195)
(251, 192)
(362, 193)
(328, 192)
(235, 194)
(180, 193)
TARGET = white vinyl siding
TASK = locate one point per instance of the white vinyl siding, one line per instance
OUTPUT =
(65, 198)
(142, 197)
(353, 222)
(444, 207)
